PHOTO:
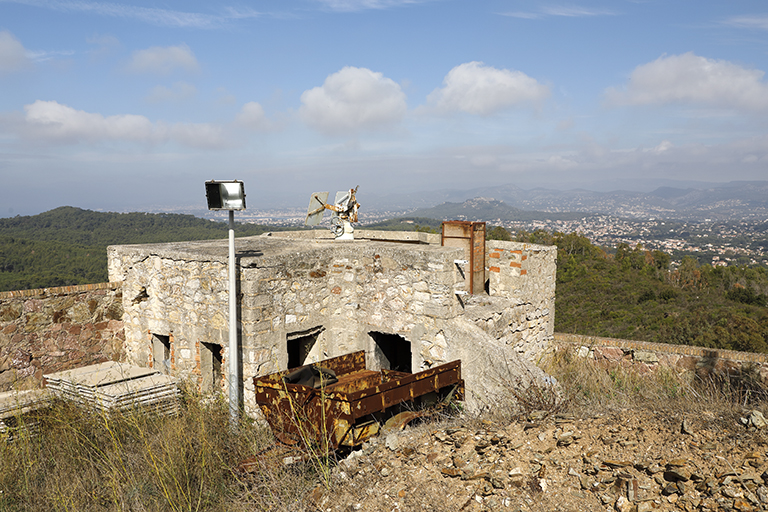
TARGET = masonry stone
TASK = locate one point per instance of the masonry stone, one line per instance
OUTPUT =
(53, 329)
(336, 298)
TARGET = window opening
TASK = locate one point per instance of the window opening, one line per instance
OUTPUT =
(391, 351)
(161, 353)
(210, 367)
(300, 344)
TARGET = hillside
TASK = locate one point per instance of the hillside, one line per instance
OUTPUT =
(633, 294)
(68, 245)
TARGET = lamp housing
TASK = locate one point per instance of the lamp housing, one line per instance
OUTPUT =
(225, 195)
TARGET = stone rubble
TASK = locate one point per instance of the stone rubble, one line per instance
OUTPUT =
(627, 461)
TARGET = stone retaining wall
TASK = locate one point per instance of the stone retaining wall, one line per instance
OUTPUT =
(646, 356)
(52, 329)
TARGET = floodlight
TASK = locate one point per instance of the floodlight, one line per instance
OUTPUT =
(230, 195)
(225, 195)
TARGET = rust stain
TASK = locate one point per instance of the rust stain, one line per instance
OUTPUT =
(352, 409)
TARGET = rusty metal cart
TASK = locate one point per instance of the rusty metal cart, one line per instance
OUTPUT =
(351, 404)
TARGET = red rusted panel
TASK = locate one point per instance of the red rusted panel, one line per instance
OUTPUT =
(344, 413)
(469, 236)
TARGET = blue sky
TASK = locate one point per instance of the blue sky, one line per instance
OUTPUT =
(126, 106)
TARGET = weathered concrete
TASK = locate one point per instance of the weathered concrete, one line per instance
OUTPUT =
(53, 329)
(382, 296)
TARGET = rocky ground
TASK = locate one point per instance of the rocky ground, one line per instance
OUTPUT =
(638, 459)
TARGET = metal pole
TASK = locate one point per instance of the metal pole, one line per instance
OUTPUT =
(234, 368)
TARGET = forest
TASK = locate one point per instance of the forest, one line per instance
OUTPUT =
(620, 292)
(631, 293)
(68, 245)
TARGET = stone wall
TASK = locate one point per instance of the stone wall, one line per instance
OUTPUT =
(646, 357)
(52, 329)
(321, 298)
(524, 274)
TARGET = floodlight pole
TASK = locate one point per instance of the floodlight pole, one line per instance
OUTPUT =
(234, 367)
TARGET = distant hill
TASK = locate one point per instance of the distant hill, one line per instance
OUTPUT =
(68, 245)
(489, 210)
(725, 201)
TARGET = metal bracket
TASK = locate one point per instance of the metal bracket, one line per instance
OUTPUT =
(459, 264)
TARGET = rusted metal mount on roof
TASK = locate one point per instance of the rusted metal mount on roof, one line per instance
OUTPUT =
(357, 406)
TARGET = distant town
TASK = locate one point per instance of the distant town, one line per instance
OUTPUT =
(723, 224)
(717, 243)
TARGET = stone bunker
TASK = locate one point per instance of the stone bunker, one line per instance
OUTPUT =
(303, 297)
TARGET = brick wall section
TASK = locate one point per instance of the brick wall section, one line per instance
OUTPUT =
(647, 356)
(525, 274)
(52, 329)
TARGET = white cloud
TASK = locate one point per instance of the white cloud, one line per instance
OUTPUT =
(198, 135)
(252, 117)
(180, 91)
(484, 90)
(663, 146)
(163, 60)
(353, 99)
(575, 12)
(43, 56)
(360, 5)
(758, 22)
(13, 56)
(53, 122)
(688, 78)
(225, 97)
(559, 10)
(151, 15)
(104, 44)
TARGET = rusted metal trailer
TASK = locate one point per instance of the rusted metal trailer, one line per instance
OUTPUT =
(342, 404)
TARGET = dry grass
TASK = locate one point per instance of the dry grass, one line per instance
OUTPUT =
(144, 462)
(139, 462)
(592, 386)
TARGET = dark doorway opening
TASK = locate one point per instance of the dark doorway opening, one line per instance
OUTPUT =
(300, 344)
(392, 352)
(161, 353)
(210, 367)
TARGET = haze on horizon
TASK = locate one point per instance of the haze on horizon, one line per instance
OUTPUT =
(124, 106)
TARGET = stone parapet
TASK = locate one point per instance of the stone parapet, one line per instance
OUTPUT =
(647, 356)
(53, 329)
(660, 348)
(58, 290)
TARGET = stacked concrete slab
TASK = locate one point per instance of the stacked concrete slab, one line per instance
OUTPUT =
(17, 410)
(117, 387)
